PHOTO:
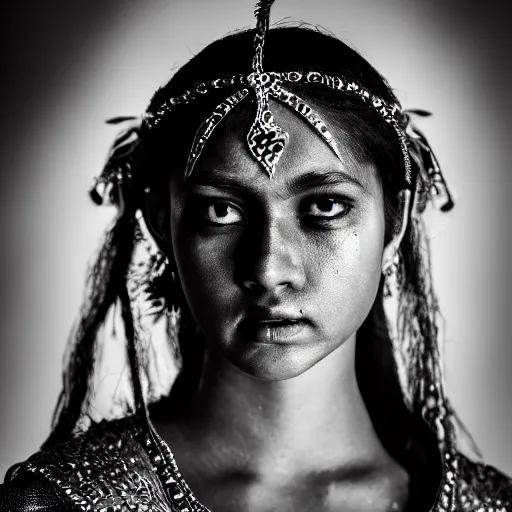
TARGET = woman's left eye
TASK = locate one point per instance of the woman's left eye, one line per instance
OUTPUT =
(326, 208)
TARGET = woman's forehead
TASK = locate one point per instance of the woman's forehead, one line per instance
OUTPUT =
(306, 154)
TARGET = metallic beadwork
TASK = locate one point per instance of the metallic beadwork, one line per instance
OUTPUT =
(124, 465)
(207, 127)
(310, 116)
(266, 140)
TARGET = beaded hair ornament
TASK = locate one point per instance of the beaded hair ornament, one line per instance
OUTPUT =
(266, 141)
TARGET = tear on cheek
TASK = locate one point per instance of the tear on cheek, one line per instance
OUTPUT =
(351, 248)
(363, 256)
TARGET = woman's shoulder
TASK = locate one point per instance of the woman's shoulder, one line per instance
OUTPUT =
(31, 492)
(105, 466)
(482, 486)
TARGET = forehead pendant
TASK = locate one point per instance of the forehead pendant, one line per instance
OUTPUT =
(266, 140)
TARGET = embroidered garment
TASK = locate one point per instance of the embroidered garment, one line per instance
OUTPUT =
(121, 466)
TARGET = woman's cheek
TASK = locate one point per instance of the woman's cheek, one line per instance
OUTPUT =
(350, 278)
(205, 270)
(362, 255)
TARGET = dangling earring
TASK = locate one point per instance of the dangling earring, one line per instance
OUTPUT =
(153, 289)
(173, 319)
(148, 265)
(390, 272)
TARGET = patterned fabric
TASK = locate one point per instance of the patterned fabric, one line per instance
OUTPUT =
(121, 466)
(32, 493)
(483, 488)
(104, 469)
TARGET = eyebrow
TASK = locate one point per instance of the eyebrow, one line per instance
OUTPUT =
(302, 183)
(214, 178)
(321, 178)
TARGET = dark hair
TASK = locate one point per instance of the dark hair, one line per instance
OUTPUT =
(290, 48)
(369, 137)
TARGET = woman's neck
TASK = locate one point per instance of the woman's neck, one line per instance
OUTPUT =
(315, 419)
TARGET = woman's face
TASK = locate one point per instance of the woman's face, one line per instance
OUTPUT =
(278, 273)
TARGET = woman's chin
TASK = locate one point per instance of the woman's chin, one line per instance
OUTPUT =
(274, 362)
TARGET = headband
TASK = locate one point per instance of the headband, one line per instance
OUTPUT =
(266, 141)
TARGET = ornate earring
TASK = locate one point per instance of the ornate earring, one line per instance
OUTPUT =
(173, 320)
(153, 289)
(148, 265)
(390, 272)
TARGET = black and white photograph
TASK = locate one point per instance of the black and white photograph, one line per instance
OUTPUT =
(255, 256)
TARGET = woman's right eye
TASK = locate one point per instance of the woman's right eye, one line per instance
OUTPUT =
(223, 213)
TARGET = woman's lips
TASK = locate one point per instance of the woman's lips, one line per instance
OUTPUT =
(273, 331)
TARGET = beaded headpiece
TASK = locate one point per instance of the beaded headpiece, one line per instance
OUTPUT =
(266, 141)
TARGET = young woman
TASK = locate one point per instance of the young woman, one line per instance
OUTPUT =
(278, 196)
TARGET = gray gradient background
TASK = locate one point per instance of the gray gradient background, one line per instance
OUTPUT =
(67, 66)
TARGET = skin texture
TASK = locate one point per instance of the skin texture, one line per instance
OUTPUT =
(278, 421)
(273, 249)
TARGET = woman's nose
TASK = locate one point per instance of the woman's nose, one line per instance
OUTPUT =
(274, 260)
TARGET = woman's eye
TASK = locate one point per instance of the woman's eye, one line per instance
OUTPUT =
(326, 208)
(223, 213)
